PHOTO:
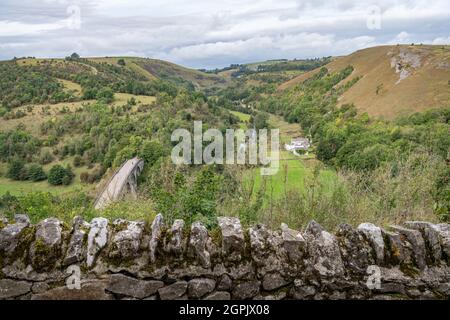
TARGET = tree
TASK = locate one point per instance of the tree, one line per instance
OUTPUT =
(150, 152)
(46, 158)
(260, 121)
(77, 161)
(75, 56)
(121, 62)
(58, 175)
(36, 173)
(105, 95)
(89, 93)
(17, 170)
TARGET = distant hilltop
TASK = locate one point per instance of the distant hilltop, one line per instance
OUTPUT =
(394, 80)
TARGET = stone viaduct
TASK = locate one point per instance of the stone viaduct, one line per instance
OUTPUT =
(122, 182)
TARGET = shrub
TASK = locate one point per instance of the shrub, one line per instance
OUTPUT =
(150, 152)
(46, 158)
(105, 95)
(92, 177)
(36, 173)
(77, 161)
(84, 177)
(17, 170)
(58, 175)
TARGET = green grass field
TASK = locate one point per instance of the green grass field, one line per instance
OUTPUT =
(243, 117)
(293, 170)
(291, 176)
(20, 187)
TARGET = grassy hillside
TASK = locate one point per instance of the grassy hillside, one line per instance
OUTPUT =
(394, 80)
(158, 69)
(66, 124)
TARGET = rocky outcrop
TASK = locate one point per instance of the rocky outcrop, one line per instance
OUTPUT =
(131, 260)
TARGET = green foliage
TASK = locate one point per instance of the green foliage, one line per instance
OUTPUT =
(94, 176)
(17, 170)
(46, 158)
(260, 121)
(22, 84)
(347, 140)
(442, 195)
(77, 161)
(385, 168)
(150, 152)
(36, 173)
(193, 199)
(41, 205)
(105, 95)
(18, 144)
(58, 175)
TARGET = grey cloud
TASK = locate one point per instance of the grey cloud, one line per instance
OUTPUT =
(211, 34)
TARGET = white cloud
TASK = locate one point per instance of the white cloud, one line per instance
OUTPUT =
(205, 33)
(442, 40)
(401, 38)
(14, 28)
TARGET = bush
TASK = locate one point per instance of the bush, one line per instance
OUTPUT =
(46, 158)
(105, 95)
(77, 161)
(17, 170)
(150, 152)
(84, 177)
(58, 175)
(36, 173)
(121, 62)
(92, 177)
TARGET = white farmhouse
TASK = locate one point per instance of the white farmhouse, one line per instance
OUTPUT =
(298, 144)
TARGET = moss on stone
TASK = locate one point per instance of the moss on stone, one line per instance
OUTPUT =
(409, 270)
(26, 238)
(247, 255)
(216, 236)
(122, 226)
(42, 255)
(1, 264)
(117, 261)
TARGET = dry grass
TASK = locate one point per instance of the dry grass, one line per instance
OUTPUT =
(426, 88)
(122, 98)
(72, 86)
(354, 198)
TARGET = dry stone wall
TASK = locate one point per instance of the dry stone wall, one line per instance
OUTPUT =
(130, 260)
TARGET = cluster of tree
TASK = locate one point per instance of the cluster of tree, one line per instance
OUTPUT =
(58, 175)
(218, 70)
(351, 141)
(348, 140)
(93, 176)
(23, 85)
(18, 144)
(108, 135)
(73, 56)
(299, 65)
(18, 170)
(95, 78)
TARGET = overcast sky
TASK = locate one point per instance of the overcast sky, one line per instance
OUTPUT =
(216, 33)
